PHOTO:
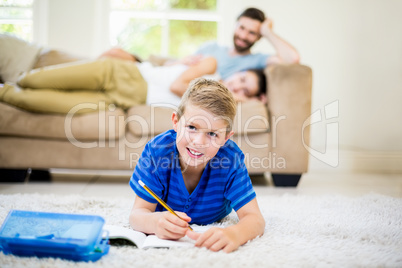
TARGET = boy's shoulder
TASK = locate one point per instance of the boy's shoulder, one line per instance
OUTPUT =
(228, 159)
(163, 143)
(230, 149)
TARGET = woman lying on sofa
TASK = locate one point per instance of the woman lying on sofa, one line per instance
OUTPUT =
(118, 78)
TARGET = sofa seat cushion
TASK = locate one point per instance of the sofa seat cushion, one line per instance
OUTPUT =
(91, 126)
(252, 117)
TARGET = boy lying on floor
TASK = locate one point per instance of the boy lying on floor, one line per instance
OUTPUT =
(198, 172)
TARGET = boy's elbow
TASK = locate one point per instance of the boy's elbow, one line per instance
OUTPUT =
(259, 225)
(262, 226)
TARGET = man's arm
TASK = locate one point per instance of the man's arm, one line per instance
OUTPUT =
(286, 53)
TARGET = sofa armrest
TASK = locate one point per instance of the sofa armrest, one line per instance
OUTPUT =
(289, 106)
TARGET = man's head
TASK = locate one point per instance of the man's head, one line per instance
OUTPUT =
(203, 121)
(247, 30)
(253, 13)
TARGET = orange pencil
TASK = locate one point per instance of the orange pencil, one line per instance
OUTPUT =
(160, 201)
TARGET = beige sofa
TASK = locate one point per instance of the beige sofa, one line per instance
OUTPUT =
(273, 136)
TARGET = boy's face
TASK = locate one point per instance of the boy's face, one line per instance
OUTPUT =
(200, 134)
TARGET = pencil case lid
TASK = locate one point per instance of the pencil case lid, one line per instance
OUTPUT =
(76, 237)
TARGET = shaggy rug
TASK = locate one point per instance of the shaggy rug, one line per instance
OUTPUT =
(301, 231)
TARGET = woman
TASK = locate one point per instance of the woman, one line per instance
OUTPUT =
(118, 78)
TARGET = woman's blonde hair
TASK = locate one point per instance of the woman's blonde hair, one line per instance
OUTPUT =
(211, 96)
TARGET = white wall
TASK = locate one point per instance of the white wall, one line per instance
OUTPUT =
(76, 26)
(353, 46)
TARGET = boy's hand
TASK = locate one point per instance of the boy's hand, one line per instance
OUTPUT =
(169, 226)
(215, 239)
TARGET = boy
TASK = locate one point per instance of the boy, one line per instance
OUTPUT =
(197, 170)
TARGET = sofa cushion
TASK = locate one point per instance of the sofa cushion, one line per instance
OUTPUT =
(96, 126)
(149, 119)
(17, 56)
(252, 117)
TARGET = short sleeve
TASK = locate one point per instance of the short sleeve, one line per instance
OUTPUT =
(146, 172)
(239, 189)
(262, 60)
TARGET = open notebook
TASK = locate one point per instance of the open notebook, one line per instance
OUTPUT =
(123, 236)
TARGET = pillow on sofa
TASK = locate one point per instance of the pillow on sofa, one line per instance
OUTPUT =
(17, 56)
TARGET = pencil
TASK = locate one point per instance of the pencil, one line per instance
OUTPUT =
(161, 201)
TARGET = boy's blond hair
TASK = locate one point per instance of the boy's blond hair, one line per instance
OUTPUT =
(211, 96)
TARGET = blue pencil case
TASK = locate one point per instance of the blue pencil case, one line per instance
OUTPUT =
(42, 234)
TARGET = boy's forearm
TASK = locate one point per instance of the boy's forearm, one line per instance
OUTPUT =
(248, 228)
(143, 220)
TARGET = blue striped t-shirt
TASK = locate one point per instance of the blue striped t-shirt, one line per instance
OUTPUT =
(224, 184)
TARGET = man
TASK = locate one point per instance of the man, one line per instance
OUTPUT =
(250, 27)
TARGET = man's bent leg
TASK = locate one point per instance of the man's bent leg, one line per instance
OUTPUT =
(52, 101)
(126, 86)
(88, 75)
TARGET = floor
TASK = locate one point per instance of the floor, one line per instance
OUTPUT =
(116, 184)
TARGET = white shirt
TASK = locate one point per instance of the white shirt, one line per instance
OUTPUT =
(159, 79)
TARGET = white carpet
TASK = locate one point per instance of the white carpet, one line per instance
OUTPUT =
(301, 231)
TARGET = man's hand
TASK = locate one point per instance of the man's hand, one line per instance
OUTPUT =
(168, 226)
(286, 53)
(216, 239)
